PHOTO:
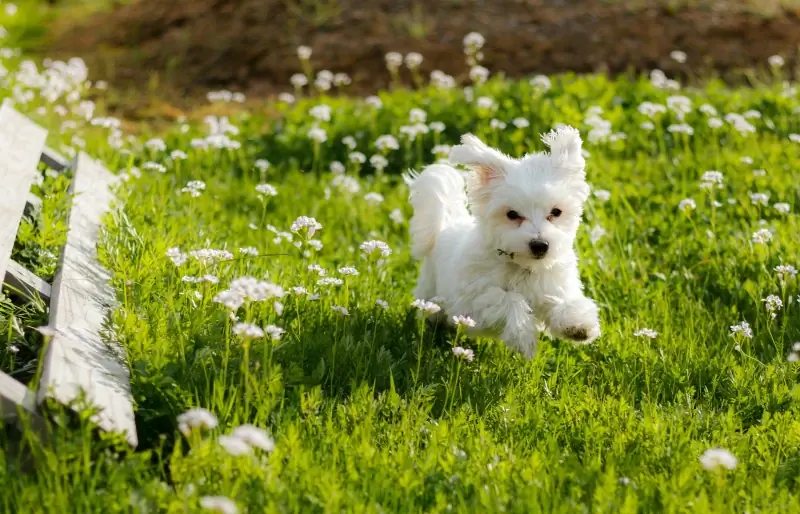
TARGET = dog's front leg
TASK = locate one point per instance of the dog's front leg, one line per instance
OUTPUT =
(572, 317)
(496, 307)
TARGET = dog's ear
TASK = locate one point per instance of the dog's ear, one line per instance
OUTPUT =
(486, 162)
(566, 148)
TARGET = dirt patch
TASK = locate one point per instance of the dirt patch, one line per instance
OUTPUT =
(250, 45)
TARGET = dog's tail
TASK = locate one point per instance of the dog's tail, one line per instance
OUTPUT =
(438, 198)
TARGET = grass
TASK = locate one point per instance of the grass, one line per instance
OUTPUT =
(371, 412)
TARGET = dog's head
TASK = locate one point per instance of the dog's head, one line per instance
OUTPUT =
(529, 208)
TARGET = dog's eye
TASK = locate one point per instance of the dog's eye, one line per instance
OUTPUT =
(556, 212)
(513, 215)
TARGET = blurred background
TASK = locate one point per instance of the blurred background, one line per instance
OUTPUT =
(181, 49)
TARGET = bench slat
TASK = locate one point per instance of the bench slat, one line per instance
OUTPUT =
(54, 160)
(78, 359)
(14, 395)
(27, 283)
(21, 143)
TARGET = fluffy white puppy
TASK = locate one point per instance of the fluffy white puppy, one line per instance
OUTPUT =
(510, 264)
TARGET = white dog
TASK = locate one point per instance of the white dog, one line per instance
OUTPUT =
(510, 265)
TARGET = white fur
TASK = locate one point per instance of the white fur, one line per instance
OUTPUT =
(481, 265)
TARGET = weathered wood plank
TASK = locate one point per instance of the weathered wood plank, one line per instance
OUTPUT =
(27, 283)
(78, 360)
(21, 143)
(54, 160)
(14, 395)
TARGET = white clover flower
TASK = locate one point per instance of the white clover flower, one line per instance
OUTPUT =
(156, 145)
(196, 418)
(255, 437)
(274, 332)
(349, 142)
(219, 504)
(417, 115)
(304, 52)
(772, 303)
(386, 142)
(776, 61)
(478, 74)
(234, 446)
(681, 128)
(393, 60)
(463, 321)
(341, 79)
(793, 357)
(485, 103)
(248, 331)
(678, 56)
(178, 155)
(646, 332)
(382, 304)
(298, 80)
(379, 162)
(759, 198)
(711, 179)
(497, 124)
(541, 83)
(311, 225)
(520, 123)
(687, 204)
(230, 299)
(154, 166)
(463, 353)
(357, 158)
(647, 125)
(348, 270)
(708, 110)
(266, 190)
(373, 101)
(651, 109)
(680, 105)
(752, 114)
(286, 98)
(318, 135)
(337, 168)
(369, 247)
(374, 198)
(176, 256)
(762, 236)
(346, 183)
(715, 123)
(442, 80)
(320, 112)
(330, 281)
(413, 60)
(718, 458)
(742, 329)
(474, 41)
(602, 195)
(340, 310)
(437, 126)
(426, 306)
(795, 138)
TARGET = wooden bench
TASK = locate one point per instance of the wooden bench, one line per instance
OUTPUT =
(78, 362)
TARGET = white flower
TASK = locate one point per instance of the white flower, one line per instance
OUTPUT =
(249, 250)
(299, 290)
(340, 310)
(248, 331)
(795, 138)
(386, 142)
(520, 123)
(647, 125)
(782, 207)
(373, 101)
(442, 80)
(793, 357)
(316, 268)
(785, 271)
(286, 98)
(473, 42)
(463, 321)
(437, 126)
(261, 165)
(318, 135)
(349, 142)
(707, 109)
(266, 190)
(646, 332)
(369, 247)
(304, 222)
(746, 160)
(234, 445)
(681, 128)
(320, 112)
(393, 60)
(485, 103)
(220, 504)
(678, 56)
(417, 116)
(687, 203)
(680, 105)
(772, 303)
(379, 162)
(357, 158)
(425, 306)
(752, 114)
(463, 353)
(177, 258)
(154, 166)
(397, 216)
(382, 304)
(602, 195)
(716, 458)
(714, 123)
(541, 83)
(711, 179)
(413, 60)
(478, 74)
(651, 109)
(742, 328)
(330, 281)
(178, 155)
(374, 198)
(196, 418)
(254, 436)
(348, 271)
(597, 233)
(759, 198)
(497, 124)
(762, 236)
(776, 61)
(341, 79)
(759, 173)
(304, 52)
(156, 145)
(298, 80)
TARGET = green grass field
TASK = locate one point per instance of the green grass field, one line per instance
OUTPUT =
(368, 409)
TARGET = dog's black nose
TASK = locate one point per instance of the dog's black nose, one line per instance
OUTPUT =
(538, 248)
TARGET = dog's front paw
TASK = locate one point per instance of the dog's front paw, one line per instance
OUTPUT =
(576, 320)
